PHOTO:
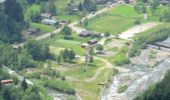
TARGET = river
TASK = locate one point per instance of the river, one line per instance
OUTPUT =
(143, 77)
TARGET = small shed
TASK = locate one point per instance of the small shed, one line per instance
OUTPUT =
(164, 2)
(92, 42)
(33, 31)
(49, 21)
(85, 45)
(45, 16)
(5, 82)
(89, 33)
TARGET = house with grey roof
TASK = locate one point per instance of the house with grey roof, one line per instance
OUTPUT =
(2, 4)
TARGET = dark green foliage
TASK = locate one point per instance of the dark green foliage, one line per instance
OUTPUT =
(6, 94)
(10, 31)
(25, 60)
(14, 10)
(160, 91)
(142, 41)
(80, 7)
(99, 47)
(107, 34)
(38, 50)
(165, 15)
(68, 55)
(90, 5)
(24, 84)
(66, 31)
(35, 17)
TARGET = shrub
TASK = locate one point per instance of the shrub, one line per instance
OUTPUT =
(61, 86)
(141, 41)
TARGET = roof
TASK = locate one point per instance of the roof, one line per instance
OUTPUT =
(2, 1)
(6, 81)
(89, 33)
(164, 1)
(49, 21)
(85, 44)
(33, 29)
(46, 15)
(93, 40)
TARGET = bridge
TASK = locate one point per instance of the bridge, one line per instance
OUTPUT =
(161, 46)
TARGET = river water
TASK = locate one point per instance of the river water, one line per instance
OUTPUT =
(143, 77)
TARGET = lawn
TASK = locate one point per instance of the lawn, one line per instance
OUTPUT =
(44, 28)
(78, 70)
(119, 19)
(72, 43)
(91, 90)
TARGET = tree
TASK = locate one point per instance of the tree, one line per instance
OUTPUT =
(72, 1)
(99, 47)
(126, 1)
(25, 60)
(80, 7)
(90, 5)
(52, 7)
(14, 10)
(65, 55)
(86, 23)
(71, 55)
(10, 30)
(91, 59)
(24, 84)
(91, 51)
(154, 5)
(6, 94)
(107, 34)
(59, 59)
(66, 31)
(38, 50)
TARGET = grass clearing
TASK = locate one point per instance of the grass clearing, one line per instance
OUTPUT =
(73, 43)
(118, 19)
(77, 71)
(44, 28)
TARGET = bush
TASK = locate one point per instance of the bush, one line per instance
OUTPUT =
(142, 41)
(137, 22)
(61, 86)
(122, 88)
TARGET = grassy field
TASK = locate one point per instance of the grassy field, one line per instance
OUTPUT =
(73, 43)
(78, 70)
(44, 28)
(118, 19)
(91, 90)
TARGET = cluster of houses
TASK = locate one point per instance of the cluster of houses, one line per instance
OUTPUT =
(47, 19)
(90, 42)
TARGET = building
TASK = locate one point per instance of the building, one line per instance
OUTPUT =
(46, 16)
(33, 31)
(101, 1)
(50, 22)
(92, 42)
(6, 82)
(165, 2)
(85, 45)
(89, 33)
(2, 4)
(72, 9)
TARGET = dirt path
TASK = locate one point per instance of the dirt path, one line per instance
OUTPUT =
(137, 29)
